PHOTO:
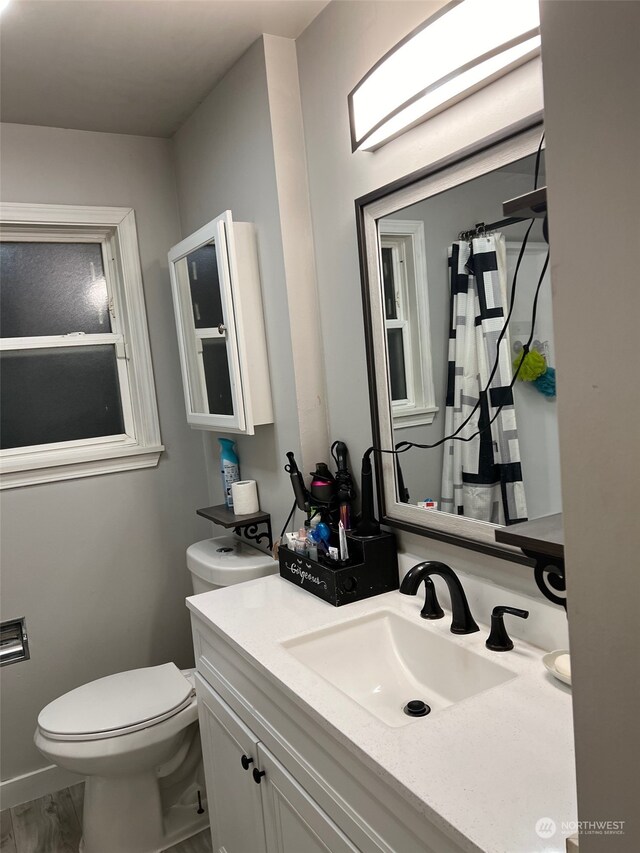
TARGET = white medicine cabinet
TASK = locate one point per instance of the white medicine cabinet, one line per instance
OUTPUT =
(215, 283)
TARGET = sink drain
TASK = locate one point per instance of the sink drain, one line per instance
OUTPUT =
(416, 708)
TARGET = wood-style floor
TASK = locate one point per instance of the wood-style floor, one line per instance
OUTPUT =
(53, 824)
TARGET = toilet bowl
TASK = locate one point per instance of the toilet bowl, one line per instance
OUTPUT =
(134, 735)
(123, 733)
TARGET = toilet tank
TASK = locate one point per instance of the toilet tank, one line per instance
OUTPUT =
(224, 561)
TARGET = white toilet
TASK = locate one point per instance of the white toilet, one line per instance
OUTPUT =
(135, 735)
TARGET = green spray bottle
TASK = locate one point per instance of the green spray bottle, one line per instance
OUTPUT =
(229, 468)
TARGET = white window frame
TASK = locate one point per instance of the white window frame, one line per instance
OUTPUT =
(406, 239)
(140, 445)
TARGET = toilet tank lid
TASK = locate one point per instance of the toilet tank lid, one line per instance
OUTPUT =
(118, 703)
(226, 560)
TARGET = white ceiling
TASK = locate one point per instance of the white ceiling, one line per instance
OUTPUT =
(128, 66)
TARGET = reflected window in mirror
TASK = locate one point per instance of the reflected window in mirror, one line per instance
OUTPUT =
(407, 323)
(204, 284)
(210, 350)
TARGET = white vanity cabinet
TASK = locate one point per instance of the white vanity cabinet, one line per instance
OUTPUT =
(235, 801)
(294, 822)
(254, 803)
(217, 301)
(315, 796)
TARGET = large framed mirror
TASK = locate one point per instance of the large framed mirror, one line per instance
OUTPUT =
(438, 289)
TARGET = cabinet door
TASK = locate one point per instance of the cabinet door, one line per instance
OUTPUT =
(235, 805)
(202, 284)
(294, 823)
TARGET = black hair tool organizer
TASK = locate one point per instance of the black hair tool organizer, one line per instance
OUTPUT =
(372, 568)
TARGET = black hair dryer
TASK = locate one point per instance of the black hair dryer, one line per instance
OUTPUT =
(344, 483)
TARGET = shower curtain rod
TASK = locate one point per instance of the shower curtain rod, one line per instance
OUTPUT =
(481, 228)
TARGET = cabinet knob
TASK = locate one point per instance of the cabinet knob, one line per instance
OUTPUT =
(246, 761)
(258, 774)
(222, 329)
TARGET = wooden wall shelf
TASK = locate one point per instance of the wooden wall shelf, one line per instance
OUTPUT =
(540, 535)
(246, 525)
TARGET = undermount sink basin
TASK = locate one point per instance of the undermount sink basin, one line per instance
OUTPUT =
(383, 661)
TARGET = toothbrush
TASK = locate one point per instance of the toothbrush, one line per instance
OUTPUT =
(342, 537)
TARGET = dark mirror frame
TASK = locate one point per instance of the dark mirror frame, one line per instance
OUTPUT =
(495, 151)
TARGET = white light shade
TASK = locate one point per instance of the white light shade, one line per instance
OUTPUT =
(457, 51)
(3, 5)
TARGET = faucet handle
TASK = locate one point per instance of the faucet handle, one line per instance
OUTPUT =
(431, 609)
(499, 640)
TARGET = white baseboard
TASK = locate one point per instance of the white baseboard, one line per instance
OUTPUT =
(33, 785)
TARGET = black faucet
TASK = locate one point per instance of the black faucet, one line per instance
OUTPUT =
(462, 621)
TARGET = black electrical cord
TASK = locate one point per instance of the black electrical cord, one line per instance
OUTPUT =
(525, 350)
(286, 524)
(538, 158)
(406, 445)
(403, 446)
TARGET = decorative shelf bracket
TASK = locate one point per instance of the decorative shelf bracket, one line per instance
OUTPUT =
(549, 576)
(250, 532)
(243, 525)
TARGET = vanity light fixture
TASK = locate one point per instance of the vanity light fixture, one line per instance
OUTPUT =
(460, 49)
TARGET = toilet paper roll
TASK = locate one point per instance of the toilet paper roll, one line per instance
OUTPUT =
(244, 494)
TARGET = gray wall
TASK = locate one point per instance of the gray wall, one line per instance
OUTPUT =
(97, 565)
(224, 159)
(334, 52)
(591, 64)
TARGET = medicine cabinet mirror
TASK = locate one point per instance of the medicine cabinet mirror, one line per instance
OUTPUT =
(216, 296)
(430, 354)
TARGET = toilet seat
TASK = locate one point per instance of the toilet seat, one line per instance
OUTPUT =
(117, 704)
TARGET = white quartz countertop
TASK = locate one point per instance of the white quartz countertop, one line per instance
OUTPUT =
(485, 769)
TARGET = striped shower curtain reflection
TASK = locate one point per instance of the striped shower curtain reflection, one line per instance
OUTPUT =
(482, 474)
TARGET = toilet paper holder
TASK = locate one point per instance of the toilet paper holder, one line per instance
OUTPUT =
(14, 643)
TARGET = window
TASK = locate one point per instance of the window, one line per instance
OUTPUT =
(406, 315)
(76, 383)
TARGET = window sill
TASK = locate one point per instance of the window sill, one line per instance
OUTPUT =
(52, 466)
(414, 417)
